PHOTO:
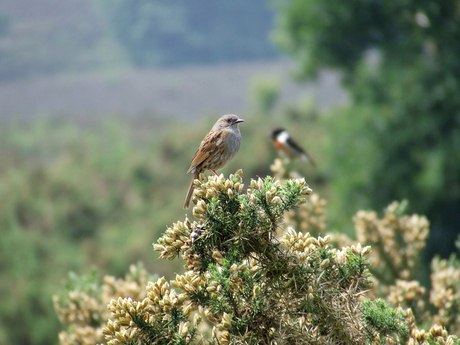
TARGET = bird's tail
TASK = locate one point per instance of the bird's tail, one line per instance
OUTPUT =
(190, 190)
(306, 157)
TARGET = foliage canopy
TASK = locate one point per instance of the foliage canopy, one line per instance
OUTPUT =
(400, 65)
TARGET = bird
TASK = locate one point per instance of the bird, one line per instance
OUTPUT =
(288, 147)
(218, 148)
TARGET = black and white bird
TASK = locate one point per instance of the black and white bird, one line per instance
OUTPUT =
(288, 147)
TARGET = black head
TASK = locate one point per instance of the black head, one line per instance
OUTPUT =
(276, 132)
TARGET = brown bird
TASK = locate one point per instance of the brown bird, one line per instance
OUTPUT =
(288, 147)
(218, 148)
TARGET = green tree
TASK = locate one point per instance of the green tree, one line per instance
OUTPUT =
(400, 137)
(201, 31)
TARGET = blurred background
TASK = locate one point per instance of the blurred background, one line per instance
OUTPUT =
(103, 104)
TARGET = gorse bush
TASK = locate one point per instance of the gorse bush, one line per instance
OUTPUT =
(251, 279)
(85, 306)
(73, 197)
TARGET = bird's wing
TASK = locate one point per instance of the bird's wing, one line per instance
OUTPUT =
(294, 144)
(305, 154)
(207, 147)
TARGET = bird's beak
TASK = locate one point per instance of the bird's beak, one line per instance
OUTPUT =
(239, 120)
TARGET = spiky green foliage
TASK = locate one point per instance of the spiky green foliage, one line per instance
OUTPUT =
(83, 304)
(250, 278)
(382, 320)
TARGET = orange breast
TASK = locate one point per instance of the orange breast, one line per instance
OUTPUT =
(283, 149)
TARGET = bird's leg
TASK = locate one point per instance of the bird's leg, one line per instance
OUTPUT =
(213, 172)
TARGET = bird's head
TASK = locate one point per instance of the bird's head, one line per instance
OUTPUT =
(227, 121)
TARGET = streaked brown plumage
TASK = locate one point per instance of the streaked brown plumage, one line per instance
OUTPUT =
(218, 148)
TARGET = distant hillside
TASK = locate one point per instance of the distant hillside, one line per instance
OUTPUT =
(185, 92)
(43, 37)
(73, 58)
(171, 33)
